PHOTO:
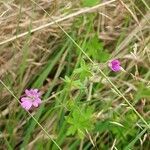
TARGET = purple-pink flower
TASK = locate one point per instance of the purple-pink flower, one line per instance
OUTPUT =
(32, 98)
(115, 65)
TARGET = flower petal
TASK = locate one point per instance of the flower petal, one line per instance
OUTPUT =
(25, 99)
(28, 93)
(35, 104)
(114, 65)
(26, 105)
(38, 100)
(115, 62)
(35, 90)
(116, 68)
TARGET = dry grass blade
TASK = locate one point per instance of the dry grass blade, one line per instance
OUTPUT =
(83, 11)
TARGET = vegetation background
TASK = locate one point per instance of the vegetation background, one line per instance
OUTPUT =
(63, 47)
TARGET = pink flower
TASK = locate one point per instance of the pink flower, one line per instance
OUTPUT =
(115, 65)
(31, 98)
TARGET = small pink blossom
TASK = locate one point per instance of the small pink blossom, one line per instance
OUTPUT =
(31, 98)
(115, 65)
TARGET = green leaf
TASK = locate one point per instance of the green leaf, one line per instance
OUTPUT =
(104, 56)
(95, 49)
(79, 121)
(84, 71)
(80, 134)
(71, 130)
(143, 92)
(73, 84)
(102, 126)
(89, 3)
